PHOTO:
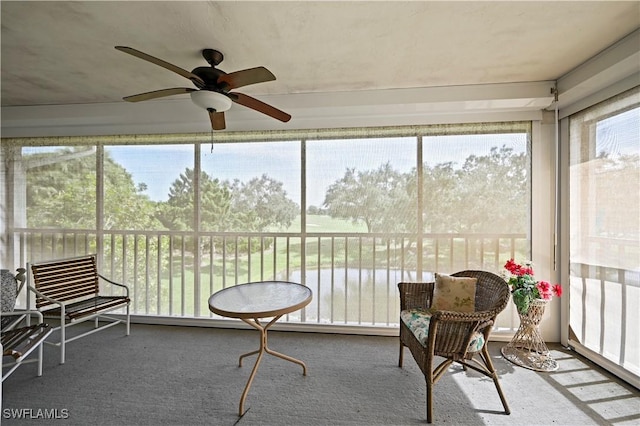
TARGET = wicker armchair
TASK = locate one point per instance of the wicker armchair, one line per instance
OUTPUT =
(456, 336)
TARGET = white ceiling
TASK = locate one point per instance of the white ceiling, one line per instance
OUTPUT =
(62, 53)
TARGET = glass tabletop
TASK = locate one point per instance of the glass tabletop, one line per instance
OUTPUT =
(260, 299)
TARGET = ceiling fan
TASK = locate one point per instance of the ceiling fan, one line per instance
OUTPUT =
(214, 87)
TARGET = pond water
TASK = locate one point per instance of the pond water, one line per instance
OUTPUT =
(351, 295)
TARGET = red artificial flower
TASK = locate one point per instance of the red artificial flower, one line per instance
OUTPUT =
(511, 266)
(544, 288)
(516, 269)
(557, 290)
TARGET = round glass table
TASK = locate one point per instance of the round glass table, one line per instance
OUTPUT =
(264, 299)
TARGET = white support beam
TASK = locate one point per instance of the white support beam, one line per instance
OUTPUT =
(612, 71)
(428, 105)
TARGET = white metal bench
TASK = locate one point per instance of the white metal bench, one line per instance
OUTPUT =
(69, 290)
(18, 337)
(19, 340)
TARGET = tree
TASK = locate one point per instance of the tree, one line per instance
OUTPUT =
(125, 204)
(440, 194)
(62, 192)
(262, 203)
(178, 213)
(380, 198)
(244, 207)
(215, 200)
(617, 212)
(315, 210)
(487, 194)
(493, 193)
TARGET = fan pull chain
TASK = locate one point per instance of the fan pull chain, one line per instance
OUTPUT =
(212, 140)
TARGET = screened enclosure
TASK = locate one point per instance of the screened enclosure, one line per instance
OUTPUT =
(605, 230)
(348, 213)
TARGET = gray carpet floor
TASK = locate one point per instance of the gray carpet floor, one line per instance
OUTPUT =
(164, 375)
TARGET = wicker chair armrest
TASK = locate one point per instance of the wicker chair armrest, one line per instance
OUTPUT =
(455, 316)
(453, 332)
(485, 328)
(415, 295)
(465, 322)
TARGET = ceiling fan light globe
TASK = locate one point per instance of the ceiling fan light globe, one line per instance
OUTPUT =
(211, 100)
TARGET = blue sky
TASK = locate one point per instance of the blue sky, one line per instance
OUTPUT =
(620, 134)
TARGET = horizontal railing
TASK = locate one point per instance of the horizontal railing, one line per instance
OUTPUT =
(353, 276)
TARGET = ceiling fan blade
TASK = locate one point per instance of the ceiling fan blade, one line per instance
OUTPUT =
(259, 106)
(246, 77)
(217, 120)
(164, 64)
(158, 94)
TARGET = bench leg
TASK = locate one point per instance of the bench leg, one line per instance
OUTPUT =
(63, 335)
(128, 320)
(40, 354)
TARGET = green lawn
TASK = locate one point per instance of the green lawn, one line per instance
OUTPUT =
(321, 223)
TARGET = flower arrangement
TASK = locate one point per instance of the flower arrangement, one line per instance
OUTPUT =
(525, 288)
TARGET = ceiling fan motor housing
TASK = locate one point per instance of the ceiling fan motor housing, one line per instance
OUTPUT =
(209, 76)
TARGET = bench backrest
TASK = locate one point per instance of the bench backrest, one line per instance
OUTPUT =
(66, 279)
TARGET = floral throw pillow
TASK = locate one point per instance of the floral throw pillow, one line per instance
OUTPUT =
(454, 293)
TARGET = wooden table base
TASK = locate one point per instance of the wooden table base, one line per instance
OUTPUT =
(255, 323)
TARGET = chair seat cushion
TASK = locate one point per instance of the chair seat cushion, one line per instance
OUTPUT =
(417, 321)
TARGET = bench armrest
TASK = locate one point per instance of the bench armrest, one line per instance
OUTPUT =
(43, 296)
(126, 288)
(20, 316)
(23, 312)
